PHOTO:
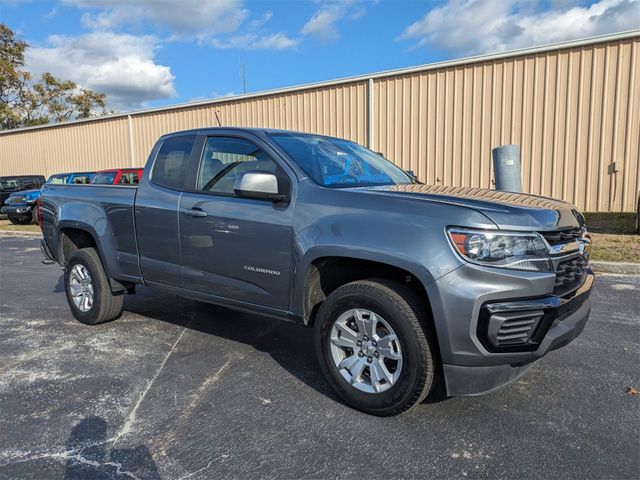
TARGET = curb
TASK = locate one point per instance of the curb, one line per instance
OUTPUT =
(16, 233)
(623, 268)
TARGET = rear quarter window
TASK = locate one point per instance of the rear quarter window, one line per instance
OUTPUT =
(172, 162)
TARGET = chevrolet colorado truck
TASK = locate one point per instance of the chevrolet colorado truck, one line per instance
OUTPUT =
(410, 289)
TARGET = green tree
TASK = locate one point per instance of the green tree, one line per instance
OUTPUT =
(24, 102)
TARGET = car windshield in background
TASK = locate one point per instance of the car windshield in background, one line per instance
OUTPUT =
(104, 178)
(9, 184)
(336, 163)
(57, 179)
(80, 178)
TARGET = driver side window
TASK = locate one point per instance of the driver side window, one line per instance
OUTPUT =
(225, 159)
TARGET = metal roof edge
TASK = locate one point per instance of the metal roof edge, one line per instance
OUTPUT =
(353, 79)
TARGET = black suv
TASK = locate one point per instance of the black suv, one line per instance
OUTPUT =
(16, 183)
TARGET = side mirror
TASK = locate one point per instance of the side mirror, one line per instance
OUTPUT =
(259, 185)
(410, 173)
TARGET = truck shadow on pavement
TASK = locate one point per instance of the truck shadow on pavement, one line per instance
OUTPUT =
(289, 344)
(88, 455)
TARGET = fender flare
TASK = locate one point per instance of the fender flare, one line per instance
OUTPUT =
(109, 266)
(299, 278)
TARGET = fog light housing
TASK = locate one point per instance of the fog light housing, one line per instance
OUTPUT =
(513, 329)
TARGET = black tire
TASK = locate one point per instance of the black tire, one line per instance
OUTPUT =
(34, 216)
(407, 315)
(106, 305)
(19, 220)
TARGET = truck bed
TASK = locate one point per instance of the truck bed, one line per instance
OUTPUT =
(106, 211)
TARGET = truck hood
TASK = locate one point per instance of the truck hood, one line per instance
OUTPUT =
(508, 210)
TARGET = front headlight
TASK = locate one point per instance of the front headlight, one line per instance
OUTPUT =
(518, 251)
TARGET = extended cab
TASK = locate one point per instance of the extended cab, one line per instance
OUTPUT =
(408, 287)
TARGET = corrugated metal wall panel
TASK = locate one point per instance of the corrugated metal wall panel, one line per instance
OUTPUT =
(338, 111)
(88, 146)
(573, 111)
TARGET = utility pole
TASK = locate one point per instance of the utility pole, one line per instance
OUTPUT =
(244, 78)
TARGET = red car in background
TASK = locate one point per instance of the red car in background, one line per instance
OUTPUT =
(118, 176)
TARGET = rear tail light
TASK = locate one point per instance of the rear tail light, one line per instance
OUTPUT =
(39, 212)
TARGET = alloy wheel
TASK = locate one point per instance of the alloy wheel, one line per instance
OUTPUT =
(366, 350)
(81, 287)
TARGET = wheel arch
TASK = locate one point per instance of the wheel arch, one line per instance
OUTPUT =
(323, 273)
(74, 236)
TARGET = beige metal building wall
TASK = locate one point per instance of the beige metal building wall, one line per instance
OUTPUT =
(338, 110)
(574, 112)
(573, 108)
(69, 147)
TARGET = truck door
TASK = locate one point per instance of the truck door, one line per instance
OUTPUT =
(156, 211)
(232, 247)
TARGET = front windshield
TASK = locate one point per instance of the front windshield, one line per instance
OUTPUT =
(104, 178)
(336, 163)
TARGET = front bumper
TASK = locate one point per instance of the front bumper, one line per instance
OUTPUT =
(464, 299)
(22, 210)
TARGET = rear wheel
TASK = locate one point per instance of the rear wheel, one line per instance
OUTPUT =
(373, 346)
(87, 287)
(19, 220)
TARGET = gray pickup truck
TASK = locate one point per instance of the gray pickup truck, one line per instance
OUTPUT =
(410, 289)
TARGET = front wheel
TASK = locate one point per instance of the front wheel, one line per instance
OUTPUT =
(87, 287)
(373, 346)
(19, 220)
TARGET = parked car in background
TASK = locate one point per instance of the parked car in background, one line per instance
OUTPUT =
(411, 288)
(20, 207)
(118, 176)
(10, 184)
(73, 178)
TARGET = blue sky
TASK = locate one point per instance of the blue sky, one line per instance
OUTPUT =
(158, 52)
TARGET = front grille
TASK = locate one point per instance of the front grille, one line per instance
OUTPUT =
(15, 200)
(562, 236)
(571, 259)
(569, 274)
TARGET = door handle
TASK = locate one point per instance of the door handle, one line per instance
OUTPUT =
(194, 212)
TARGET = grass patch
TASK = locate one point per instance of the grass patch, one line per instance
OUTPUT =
(7, 226)
(615, 248)
(613, 237)
(620, 223)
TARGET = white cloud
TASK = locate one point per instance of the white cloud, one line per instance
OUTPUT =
(323, 23)
(184, 17)
(253, 41)
(477, 26)
(213, 22)
(121, 66)
(260, 22)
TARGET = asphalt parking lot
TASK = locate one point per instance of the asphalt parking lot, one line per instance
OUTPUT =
(179, 389)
